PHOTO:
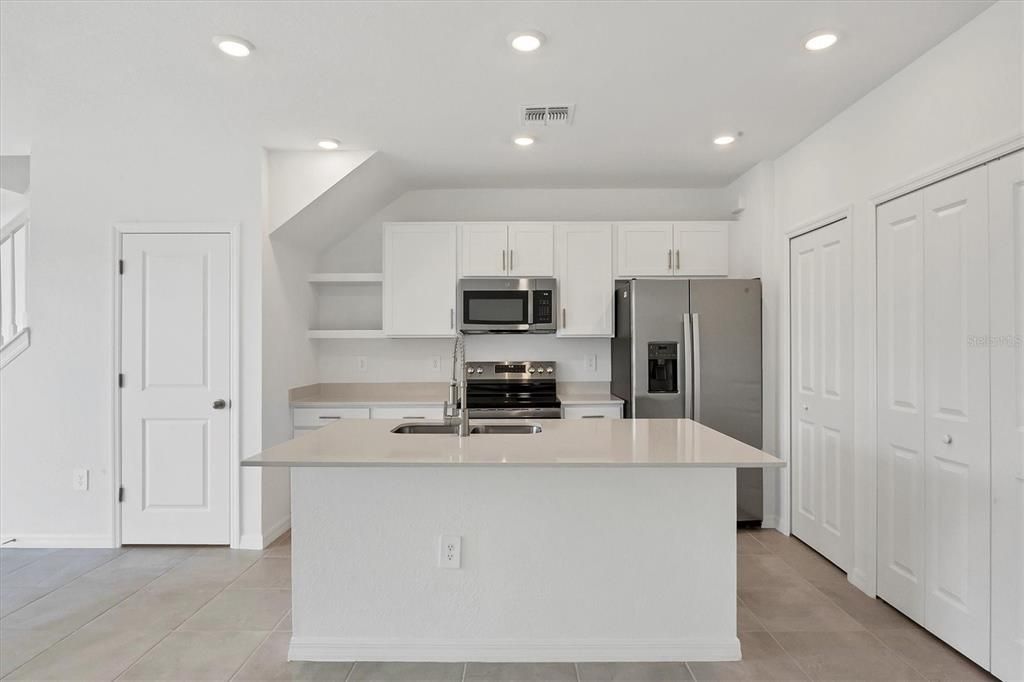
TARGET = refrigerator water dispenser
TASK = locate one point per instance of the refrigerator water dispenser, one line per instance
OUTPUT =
(662, 367)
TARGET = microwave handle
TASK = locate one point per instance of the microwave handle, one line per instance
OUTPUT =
(529, 307)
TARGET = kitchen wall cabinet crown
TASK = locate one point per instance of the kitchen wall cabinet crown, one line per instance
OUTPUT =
(696, 248)
(506, 249)
(419, 279)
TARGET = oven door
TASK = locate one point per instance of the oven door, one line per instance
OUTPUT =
(485, 308)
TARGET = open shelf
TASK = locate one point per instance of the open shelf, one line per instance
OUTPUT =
(346, 334)
(340, 277)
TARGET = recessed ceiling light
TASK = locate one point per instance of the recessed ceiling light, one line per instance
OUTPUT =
(328, 143)
(523, 140)
(525, 41)
(723, 140)
(821, 41)
(233, 45)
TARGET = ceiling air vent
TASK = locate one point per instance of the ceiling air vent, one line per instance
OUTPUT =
(547, 116)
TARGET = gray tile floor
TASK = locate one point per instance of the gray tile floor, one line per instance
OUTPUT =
(173, 613)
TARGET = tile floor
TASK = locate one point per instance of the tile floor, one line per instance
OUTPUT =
(167, 613)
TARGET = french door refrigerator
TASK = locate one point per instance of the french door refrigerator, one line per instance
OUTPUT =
(692, 348)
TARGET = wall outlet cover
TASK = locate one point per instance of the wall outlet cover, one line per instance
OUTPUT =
(450, 555)
(81, 479)
(361, 363)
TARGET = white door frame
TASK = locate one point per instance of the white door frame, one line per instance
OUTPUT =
(234, 430)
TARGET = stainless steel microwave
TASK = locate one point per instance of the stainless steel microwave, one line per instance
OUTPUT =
(507, 305)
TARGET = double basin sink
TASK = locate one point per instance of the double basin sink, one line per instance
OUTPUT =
(474, 429)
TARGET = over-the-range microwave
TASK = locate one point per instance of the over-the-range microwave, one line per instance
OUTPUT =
(507, 305)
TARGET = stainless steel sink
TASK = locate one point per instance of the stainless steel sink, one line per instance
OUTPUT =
(475, 429)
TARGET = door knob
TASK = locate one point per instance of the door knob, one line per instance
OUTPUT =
(947, 439)
(220, 404)
(805, 407)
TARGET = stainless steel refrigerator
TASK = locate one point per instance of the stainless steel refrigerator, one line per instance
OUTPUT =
(692, 348)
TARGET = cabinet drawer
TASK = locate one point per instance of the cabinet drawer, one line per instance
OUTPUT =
(417, 412)
(602, 411)
(321, 416)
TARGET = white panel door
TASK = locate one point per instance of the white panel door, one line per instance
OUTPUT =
(1006, 221)
(821, 319)
(900, 451)
(644, 249)
(531, 249)
(957, 430)
(419, 279)
(701, 248)
(956, 414)
(585, 283)
(483, 249)
(176, 358)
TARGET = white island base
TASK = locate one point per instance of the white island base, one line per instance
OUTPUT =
(563, 563)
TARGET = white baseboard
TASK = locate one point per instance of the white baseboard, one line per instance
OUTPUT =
(511, 651)
(263, 540)
(47, 541)
(861, 581)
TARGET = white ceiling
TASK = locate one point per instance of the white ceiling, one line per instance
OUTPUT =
(435, 86)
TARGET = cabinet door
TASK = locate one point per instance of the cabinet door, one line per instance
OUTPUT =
(900, 466)
(701, 248)
(585, 282)
(956, 427)
(419, 279)
(1006, 214)
(597, 411)
(483, 249)
(644, 249)
(531, 250)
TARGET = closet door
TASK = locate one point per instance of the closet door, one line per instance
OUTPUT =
(1006, 220)
(956, 427)
(821, 319)
(901, 502)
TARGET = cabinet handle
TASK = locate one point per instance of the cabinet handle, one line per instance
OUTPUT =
(415, 417)
(670, 260)
(511, 259)
(451, 318)
(503, 268)
(563, 317)
(329, 417)
(593, 416)
(677, 259)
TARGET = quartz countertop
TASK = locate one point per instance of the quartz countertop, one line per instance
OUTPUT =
(424, 393)
(562, 442)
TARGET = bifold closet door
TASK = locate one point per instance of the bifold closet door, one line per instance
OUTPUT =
(956, 427)
(1006, 220)
(821, 386)
(901, 491)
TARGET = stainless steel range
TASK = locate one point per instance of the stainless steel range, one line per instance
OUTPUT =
(512, 390)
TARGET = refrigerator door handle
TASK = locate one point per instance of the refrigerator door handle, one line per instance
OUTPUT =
(687, 369)
(696, 366)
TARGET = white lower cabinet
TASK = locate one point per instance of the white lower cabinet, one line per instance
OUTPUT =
(585, 280)
(410, 412)
(419, 279)
(312, 418)
(595, 411)
(934, 431)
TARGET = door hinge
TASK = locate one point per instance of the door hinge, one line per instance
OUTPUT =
(120, 380)
(120, 267)
(120, 493)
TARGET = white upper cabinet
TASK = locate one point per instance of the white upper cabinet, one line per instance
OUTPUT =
(484, 249)
(644, 249)
(419, 279)
(683, 249)
(585, 280)
(701, 248)
(531, 250)
(506, 249)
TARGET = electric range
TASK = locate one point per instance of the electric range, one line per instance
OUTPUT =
(512, 390)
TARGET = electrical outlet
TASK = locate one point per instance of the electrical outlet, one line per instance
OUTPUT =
(81, 480)
(451, 552)
(590, 362)
(361, 363)
(435, 363)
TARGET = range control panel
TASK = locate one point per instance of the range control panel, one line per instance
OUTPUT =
(506, 370)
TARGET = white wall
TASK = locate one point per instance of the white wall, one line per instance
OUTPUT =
(89, 172)
(958, 99)
(411, 359)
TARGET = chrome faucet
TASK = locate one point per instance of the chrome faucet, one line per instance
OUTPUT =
(457, 397)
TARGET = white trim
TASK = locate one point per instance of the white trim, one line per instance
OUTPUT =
(819, 222)
(946, 170)
(15, 223)
(15, 347)
(506, 651)
(262, 541)
(45, 540)
(770, 521)
(233, 230)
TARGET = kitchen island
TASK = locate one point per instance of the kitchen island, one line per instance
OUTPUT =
(592, 540)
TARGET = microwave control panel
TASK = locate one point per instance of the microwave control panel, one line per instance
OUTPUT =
(542, 307)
